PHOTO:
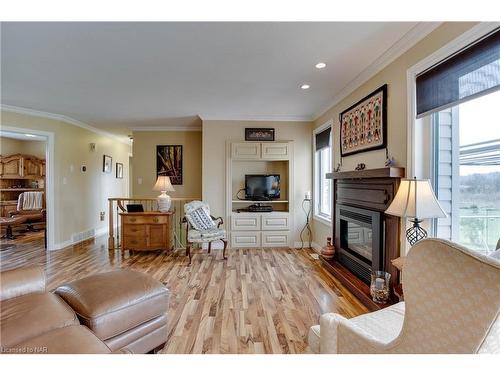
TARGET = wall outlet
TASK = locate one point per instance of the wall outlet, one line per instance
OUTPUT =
(102, 214)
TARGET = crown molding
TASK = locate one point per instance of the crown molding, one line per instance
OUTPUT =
(63, 118)
(407, 41)
(257, 118)
(167, 128)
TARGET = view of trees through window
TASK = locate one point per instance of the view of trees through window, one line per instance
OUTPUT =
(476, 199)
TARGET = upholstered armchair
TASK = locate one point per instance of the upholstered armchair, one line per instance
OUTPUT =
(452, 305)
(202, 227)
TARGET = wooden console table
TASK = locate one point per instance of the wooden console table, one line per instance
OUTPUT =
(144, 231)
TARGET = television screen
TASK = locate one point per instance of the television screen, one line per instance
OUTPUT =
(262, 187)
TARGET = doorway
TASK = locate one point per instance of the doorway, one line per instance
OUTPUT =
(26, 187)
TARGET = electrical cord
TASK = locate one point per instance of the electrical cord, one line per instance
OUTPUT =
(307, 226)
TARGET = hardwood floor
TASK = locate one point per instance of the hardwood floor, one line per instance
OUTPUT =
(258, 301)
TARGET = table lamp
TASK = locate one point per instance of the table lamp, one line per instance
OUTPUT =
(415, 200)
(163, 184)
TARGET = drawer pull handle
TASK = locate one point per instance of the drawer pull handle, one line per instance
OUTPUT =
(156, 220)
(133, 219)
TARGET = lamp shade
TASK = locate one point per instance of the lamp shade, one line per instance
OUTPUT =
(415, 199)
(163, 184)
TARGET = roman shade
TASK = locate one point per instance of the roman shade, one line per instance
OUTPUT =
(323, 139)
(471, 72)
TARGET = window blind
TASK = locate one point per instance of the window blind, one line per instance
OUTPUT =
(472, 72)
(323, 139)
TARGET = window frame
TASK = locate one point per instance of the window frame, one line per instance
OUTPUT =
(327, 220)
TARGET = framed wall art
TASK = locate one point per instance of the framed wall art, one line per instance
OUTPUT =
(259, 134)
(107, 163)
(119, 170)
(169, 162)
(363, 126)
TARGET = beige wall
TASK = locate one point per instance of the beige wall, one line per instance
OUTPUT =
(79, 197)
(144, 162)
(215, 135)
(10, 146)
(395, 76)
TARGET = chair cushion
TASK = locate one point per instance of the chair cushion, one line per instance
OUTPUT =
(198, 215)
(31, 315)
(114, 302)
(385, 325)
(67, 340)
(206, 235)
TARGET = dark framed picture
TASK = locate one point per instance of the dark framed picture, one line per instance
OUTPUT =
(119, 170)
(169, 162)
(259, 134)
(363, 126)
(107, 163)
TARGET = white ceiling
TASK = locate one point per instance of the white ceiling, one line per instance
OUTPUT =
(128, 75)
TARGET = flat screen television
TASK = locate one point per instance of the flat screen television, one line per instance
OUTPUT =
(262, 187)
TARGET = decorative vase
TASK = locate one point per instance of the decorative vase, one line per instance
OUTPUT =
(328, 252)
(379, 287)
(164, 202)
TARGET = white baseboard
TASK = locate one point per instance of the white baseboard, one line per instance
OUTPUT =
(97, 232)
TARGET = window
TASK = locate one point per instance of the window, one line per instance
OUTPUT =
(466, 172)
(322, 166)
(458, 98)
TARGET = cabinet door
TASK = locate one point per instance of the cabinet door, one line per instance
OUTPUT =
(157, 236)
(32, 167)
(275, 222)
(275, 151)
(11, 166)
(275, 239)
(245, 222)
(245, 239)
(245, 150)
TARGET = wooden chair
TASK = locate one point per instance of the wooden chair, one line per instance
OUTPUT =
(202, 227)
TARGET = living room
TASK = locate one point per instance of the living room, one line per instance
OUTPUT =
(250, 188)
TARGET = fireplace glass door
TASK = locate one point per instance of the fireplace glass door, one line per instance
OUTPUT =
(359, 241)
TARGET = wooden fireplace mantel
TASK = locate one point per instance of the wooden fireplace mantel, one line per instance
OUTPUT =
(390, 172)
(374, 190)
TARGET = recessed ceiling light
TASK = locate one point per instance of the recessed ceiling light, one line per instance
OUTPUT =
(320, 65)
(30, 135)
(305, 86)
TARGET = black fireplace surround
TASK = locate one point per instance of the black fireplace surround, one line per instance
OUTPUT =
(360, 232)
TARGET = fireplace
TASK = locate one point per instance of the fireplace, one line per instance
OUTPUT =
(366, 238)
(360, 234)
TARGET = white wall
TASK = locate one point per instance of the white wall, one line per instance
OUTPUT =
(79, 197)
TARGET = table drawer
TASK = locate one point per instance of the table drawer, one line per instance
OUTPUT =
(129, 219)
(276, 222)
(135, 230)
(245, 222)
(277, 239)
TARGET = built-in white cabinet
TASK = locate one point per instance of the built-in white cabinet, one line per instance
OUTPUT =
(246, 151)
(275, 239)
(275, 151)
(245, 239)
(260, 151)
(259, 229)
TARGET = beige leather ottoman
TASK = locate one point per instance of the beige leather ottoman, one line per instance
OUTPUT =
(125, 309)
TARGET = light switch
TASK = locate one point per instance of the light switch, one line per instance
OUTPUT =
(71, 168)
(139, 180)
(64, 180)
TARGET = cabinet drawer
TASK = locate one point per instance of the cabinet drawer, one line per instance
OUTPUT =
(134, 242)
(278, 239)
(275, 151)
(245, 150)
(144, 219)
(135, 230)
(245, 239)
(245, 222)
(275, 222)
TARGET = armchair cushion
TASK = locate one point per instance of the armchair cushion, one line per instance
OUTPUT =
(206, 235)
